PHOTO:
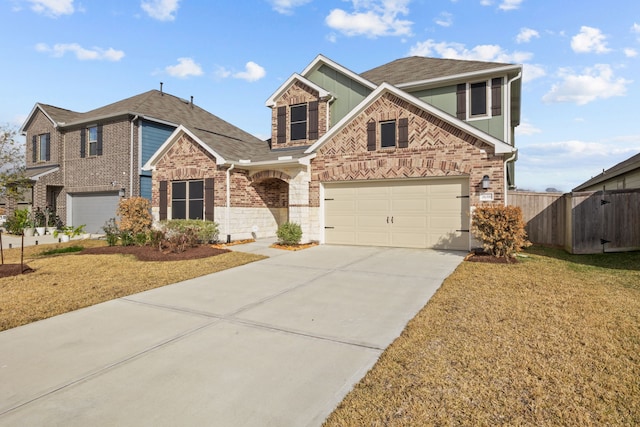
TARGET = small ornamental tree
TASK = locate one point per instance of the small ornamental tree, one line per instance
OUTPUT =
(135, 215)
(501, 230)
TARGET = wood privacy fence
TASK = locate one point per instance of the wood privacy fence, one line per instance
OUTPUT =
(582, 223)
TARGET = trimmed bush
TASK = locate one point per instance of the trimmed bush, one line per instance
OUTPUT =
(289, 233)
(135, 215)
(501, 230)
(204, 231)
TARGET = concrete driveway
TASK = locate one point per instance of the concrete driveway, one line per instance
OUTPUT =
(278, 342)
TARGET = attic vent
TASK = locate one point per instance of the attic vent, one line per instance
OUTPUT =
(245, 161)
(285, 157)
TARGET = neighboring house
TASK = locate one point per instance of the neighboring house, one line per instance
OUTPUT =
(624, 175)
(395, 156)
(80, 164)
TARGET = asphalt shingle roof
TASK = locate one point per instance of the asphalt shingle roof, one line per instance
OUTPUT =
(419, 68)
(623, 167)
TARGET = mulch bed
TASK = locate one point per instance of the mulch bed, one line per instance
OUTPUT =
(148, 253)
(8, 270)
(293, 247)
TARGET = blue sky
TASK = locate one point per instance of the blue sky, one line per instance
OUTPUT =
(581, 61)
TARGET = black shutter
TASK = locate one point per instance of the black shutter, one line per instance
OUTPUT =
(99, 142)
(461, 101)
(496, 99)
(208, 199)
(371, 136)
(83, 143)
(163, 200)
(403, 132)
(281, 124)
(48, 147)
(34, 146)
(313, 120)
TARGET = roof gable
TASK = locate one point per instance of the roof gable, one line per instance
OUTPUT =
(290, 82)
(499, 146)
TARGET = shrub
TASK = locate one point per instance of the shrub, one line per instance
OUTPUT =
(16, 223)
(135, 215)
(205, 231)
(126, 238)
(111, 231)
(289, 233)
(501, 230)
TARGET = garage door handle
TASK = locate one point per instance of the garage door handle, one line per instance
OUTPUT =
(388, 220)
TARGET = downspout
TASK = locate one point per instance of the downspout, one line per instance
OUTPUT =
(504, 169)
(228, 210)
(131, 158)
(510, 135)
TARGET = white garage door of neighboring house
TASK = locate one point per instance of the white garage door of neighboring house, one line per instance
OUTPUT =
(424, 213)
(93, 210)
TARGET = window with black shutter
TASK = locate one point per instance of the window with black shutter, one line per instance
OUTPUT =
(187, 199)
(92, 138)
(83, 143)
(371, 136)
(388, 134)
(313, 120)
(478, 99)
(403, 132)
(281, 131)
(163, 200)
(461, 101)
(298, 122)
(496, 98)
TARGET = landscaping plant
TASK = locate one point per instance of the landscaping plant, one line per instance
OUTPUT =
(289, 233)
(501, 230)
(16, 223)
(135, 215)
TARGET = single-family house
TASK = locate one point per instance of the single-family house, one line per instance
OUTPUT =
(624, 175)
(80, 164)
(395, 156)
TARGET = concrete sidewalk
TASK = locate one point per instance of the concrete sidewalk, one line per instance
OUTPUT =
(278, 342)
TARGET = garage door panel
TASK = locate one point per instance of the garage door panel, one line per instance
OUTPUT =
(93, 210)
(420, 213)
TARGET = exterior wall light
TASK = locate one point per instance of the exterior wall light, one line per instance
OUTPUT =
(121, 192)
(485, 182)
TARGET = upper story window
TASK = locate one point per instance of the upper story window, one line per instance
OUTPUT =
(478, 99)
(91, 141)
(92, 138)
(388, 134)
(298, 122)
(41, 148)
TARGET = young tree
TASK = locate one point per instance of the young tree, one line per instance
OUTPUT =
(12, 162)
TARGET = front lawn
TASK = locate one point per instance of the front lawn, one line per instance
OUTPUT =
(552, 340)
(65, 282)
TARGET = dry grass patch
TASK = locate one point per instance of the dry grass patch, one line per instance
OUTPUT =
(552, 340)
(64, 283)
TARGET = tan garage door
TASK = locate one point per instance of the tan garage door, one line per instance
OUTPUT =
(431, 213)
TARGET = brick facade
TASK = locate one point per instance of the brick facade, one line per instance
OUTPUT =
(298, 93)
(435, 149)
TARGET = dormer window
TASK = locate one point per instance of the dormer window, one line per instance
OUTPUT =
(298, 122)
(478, 99)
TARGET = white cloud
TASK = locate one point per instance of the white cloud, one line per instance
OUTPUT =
(52, 8)
(630, 53)
(372, 18)
(532, 71)
(635, 28)
(286, 6)
(186, 67)
(486, 52)
(588, 40)
(504, 5)
(526, 34)
(221, 72)
(83, 54)
(162, 10)
(510, 4)
(596, 82)
(526, 129)
(445, 19)
(252, 72)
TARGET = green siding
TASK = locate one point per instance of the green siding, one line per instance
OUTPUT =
(348, 92)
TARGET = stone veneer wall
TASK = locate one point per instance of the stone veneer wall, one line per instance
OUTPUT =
(436, 149)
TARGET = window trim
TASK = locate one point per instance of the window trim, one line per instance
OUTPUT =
(42, 154)
(304, 107)
(188, 199)
(92, 142)
(387, 123)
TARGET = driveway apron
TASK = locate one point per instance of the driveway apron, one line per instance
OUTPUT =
(278, 342)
